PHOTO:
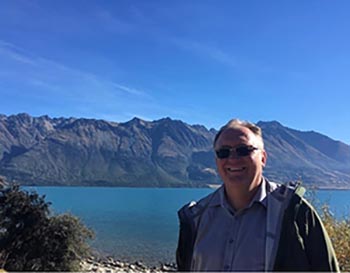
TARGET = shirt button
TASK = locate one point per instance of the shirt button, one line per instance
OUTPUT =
(226, 267)
(231, 241)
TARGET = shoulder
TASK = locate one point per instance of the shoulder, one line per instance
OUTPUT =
(286, 190)
(290, 198)
(194, 209)
(300, 211)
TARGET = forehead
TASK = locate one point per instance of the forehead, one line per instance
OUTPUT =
(236, 136)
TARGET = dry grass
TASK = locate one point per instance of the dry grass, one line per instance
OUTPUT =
(339, 232)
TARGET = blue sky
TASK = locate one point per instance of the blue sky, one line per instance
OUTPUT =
(203, 62)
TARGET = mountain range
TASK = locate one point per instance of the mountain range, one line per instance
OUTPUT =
(162, 153)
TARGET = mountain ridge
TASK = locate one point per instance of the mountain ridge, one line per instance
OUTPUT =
(161, 153)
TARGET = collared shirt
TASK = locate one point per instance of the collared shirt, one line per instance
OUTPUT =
(229, 240)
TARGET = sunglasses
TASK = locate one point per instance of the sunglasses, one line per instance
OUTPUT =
(240, 151)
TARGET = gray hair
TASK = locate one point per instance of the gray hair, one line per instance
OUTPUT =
(237, 123)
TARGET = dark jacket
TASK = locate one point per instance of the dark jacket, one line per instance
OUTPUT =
(296, 239)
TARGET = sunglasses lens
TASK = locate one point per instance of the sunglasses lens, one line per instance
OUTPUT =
(223, 153)
(239, 151)
(244, 150)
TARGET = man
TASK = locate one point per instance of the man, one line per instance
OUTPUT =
(250, 223)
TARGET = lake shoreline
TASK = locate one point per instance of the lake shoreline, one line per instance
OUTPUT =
(111, 265)
(206, 186)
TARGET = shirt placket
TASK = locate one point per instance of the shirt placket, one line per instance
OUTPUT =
(231, 244)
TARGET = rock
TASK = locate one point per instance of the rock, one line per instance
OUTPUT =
(111, 265)
(140, 265)
(119, 264)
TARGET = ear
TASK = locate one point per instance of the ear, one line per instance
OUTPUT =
(263, 158)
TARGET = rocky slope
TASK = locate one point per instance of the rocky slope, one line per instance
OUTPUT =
(162, 153)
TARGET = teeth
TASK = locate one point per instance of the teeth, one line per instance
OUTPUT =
(230, 169)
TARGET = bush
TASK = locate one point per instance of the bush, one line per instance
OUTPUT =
(339, 232)
(32, 240)
(338, 229)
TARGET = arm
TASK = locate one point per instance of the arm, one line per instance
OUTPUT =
(318, 245)
(304, 244)
(185, 244)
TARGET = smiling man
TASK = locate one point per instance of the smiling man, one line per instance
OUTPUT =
(250, 223)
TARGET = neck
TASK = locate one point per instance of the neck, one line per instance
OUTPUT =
(239, 196)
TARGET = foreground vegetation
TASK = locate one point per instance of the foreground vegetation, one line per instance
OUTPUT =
(33, 240)
(339, 232)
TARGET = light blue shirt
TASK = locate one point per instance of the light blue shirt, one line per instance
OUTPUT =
(232, 241)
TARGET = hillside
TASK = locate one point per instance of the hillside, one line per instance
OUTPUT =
(161, 153)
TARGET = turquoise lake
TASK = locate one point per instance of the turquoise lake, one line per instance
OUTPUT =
(141, 223)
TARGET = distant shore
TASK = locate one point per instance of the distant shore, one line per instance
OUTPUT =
(205, 186)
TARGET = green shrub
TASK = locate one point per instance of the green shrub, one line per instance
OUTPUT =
(33, 240)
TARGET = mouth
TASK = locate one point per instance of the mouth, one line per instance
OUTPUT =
(235, 170)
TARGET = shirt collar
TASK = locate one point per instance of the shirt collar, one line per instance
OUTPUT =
(260, 195)
(219, 198)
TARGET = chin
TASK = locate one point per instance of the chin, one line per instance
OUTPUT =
(237, 181)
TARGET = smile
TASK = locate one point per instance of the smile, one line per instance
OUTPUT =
(231, 169)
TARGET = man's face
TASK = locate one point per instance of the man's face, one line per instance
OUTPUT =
(243, 172)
